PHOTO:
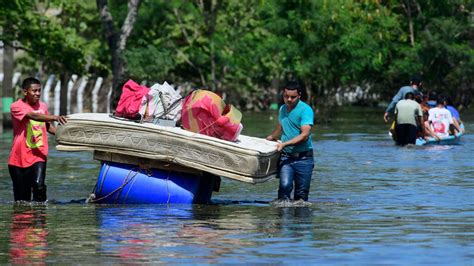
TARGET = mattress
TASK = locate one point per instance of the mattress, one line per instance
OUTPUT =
(249, 159)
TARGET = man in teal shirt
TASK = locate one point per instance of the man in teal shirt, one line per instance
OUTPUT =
(295, 120)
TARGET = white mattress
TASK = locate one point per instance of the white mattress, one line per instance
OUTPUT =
(249, 159)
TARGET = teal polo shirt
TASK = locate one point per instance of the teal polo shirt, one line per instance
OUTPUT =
(291, 124)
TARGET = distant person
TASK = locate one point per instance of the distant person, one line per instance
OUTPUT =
(415, 85)
(432, 99)
(28, 156)
(427, 130)
(296, 164)
(424, 102)
(441, 119)
(448, 103)
(408, 117)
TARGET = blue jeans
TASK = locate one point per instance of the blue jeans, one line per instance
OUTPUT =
(297, 170)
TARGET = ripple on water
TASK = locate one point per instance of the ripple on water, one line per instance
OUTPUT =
(371, 203)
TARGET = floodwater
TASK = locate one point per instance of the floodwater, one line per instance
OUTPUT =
(372, 203)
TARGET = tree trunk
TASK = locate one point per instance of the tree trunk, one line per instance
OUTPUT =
(309, 92)
(210, 11)
(64, 77)
(7, 95)
(408, 11)
(117, 42)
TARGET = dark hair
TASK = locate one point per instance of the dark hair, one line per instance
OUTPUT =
(292, 85)
(409, 95)
(449, 101)
(441, 100)
(416, 79)
(432, 96)
(28, 82)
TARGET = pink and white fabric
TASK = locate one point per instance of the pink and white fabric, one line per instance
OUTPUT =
(132, 98)
(440, 119)
(206, 113)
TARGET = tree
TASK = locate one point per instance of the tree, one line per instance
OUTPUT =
(443, 48)
(117, 41)
(44, 30)
(10, 14)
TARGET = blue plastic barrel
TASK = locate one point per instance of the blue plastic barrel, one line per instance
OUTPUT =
(120, 183)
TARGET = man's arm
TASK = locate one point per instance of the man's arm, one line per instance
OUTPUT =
(392, 104)
(457, 126)
(419, 121)
(276, 133)
(303, 136)
(429, 131)
(47, 118)
(50, 128)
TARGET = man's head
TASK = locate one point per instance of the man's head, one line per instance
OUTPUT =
(31, 90)
(448, 101)
(416, 80)
(441, 101)
(291, 94)
(418, 96)
(409, 96)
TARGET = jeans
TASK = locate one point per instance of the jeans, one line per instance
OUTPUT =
(297, 170)
(29, 180)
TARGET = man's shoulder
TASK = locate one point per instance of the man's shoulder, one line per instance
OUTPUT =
(414, 103)
(451, 108)
(18, 105)
(304, 105)
(406, 87)
(438, 110)
(18, 102)
(444, 110)
(43, 105)
(403, 102)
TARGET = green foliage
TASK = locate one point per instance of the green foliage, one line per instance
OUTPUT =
(149, 63)
(443, 49)
(53, 32)
(245, 47)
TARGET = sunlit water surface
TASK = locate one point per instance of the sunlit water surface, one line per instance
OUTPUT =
(372, 203)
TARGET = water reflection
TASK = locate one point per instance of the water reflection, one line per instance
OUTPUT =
(373, 203)
(206, 234)
(168, 233)
(171, 234)
(28, 232)
(135, 234)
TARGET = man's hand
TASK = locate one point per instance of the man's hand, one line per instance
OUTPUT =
(280, 146)
(386, 117)
(61, 119)
(270, 138)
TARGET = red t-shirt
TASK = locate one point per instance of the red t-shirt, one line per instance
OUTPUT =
(30, 139)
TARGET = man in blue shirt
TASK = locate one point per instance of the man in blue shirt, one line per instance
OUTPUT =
(415, 84)
(295, 120)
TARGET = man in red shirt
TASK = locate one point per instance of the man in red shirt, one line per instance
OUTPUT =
(27, 161)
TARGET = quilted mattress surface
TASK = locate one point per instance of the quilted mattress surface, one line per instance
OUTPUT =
(249, 159)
